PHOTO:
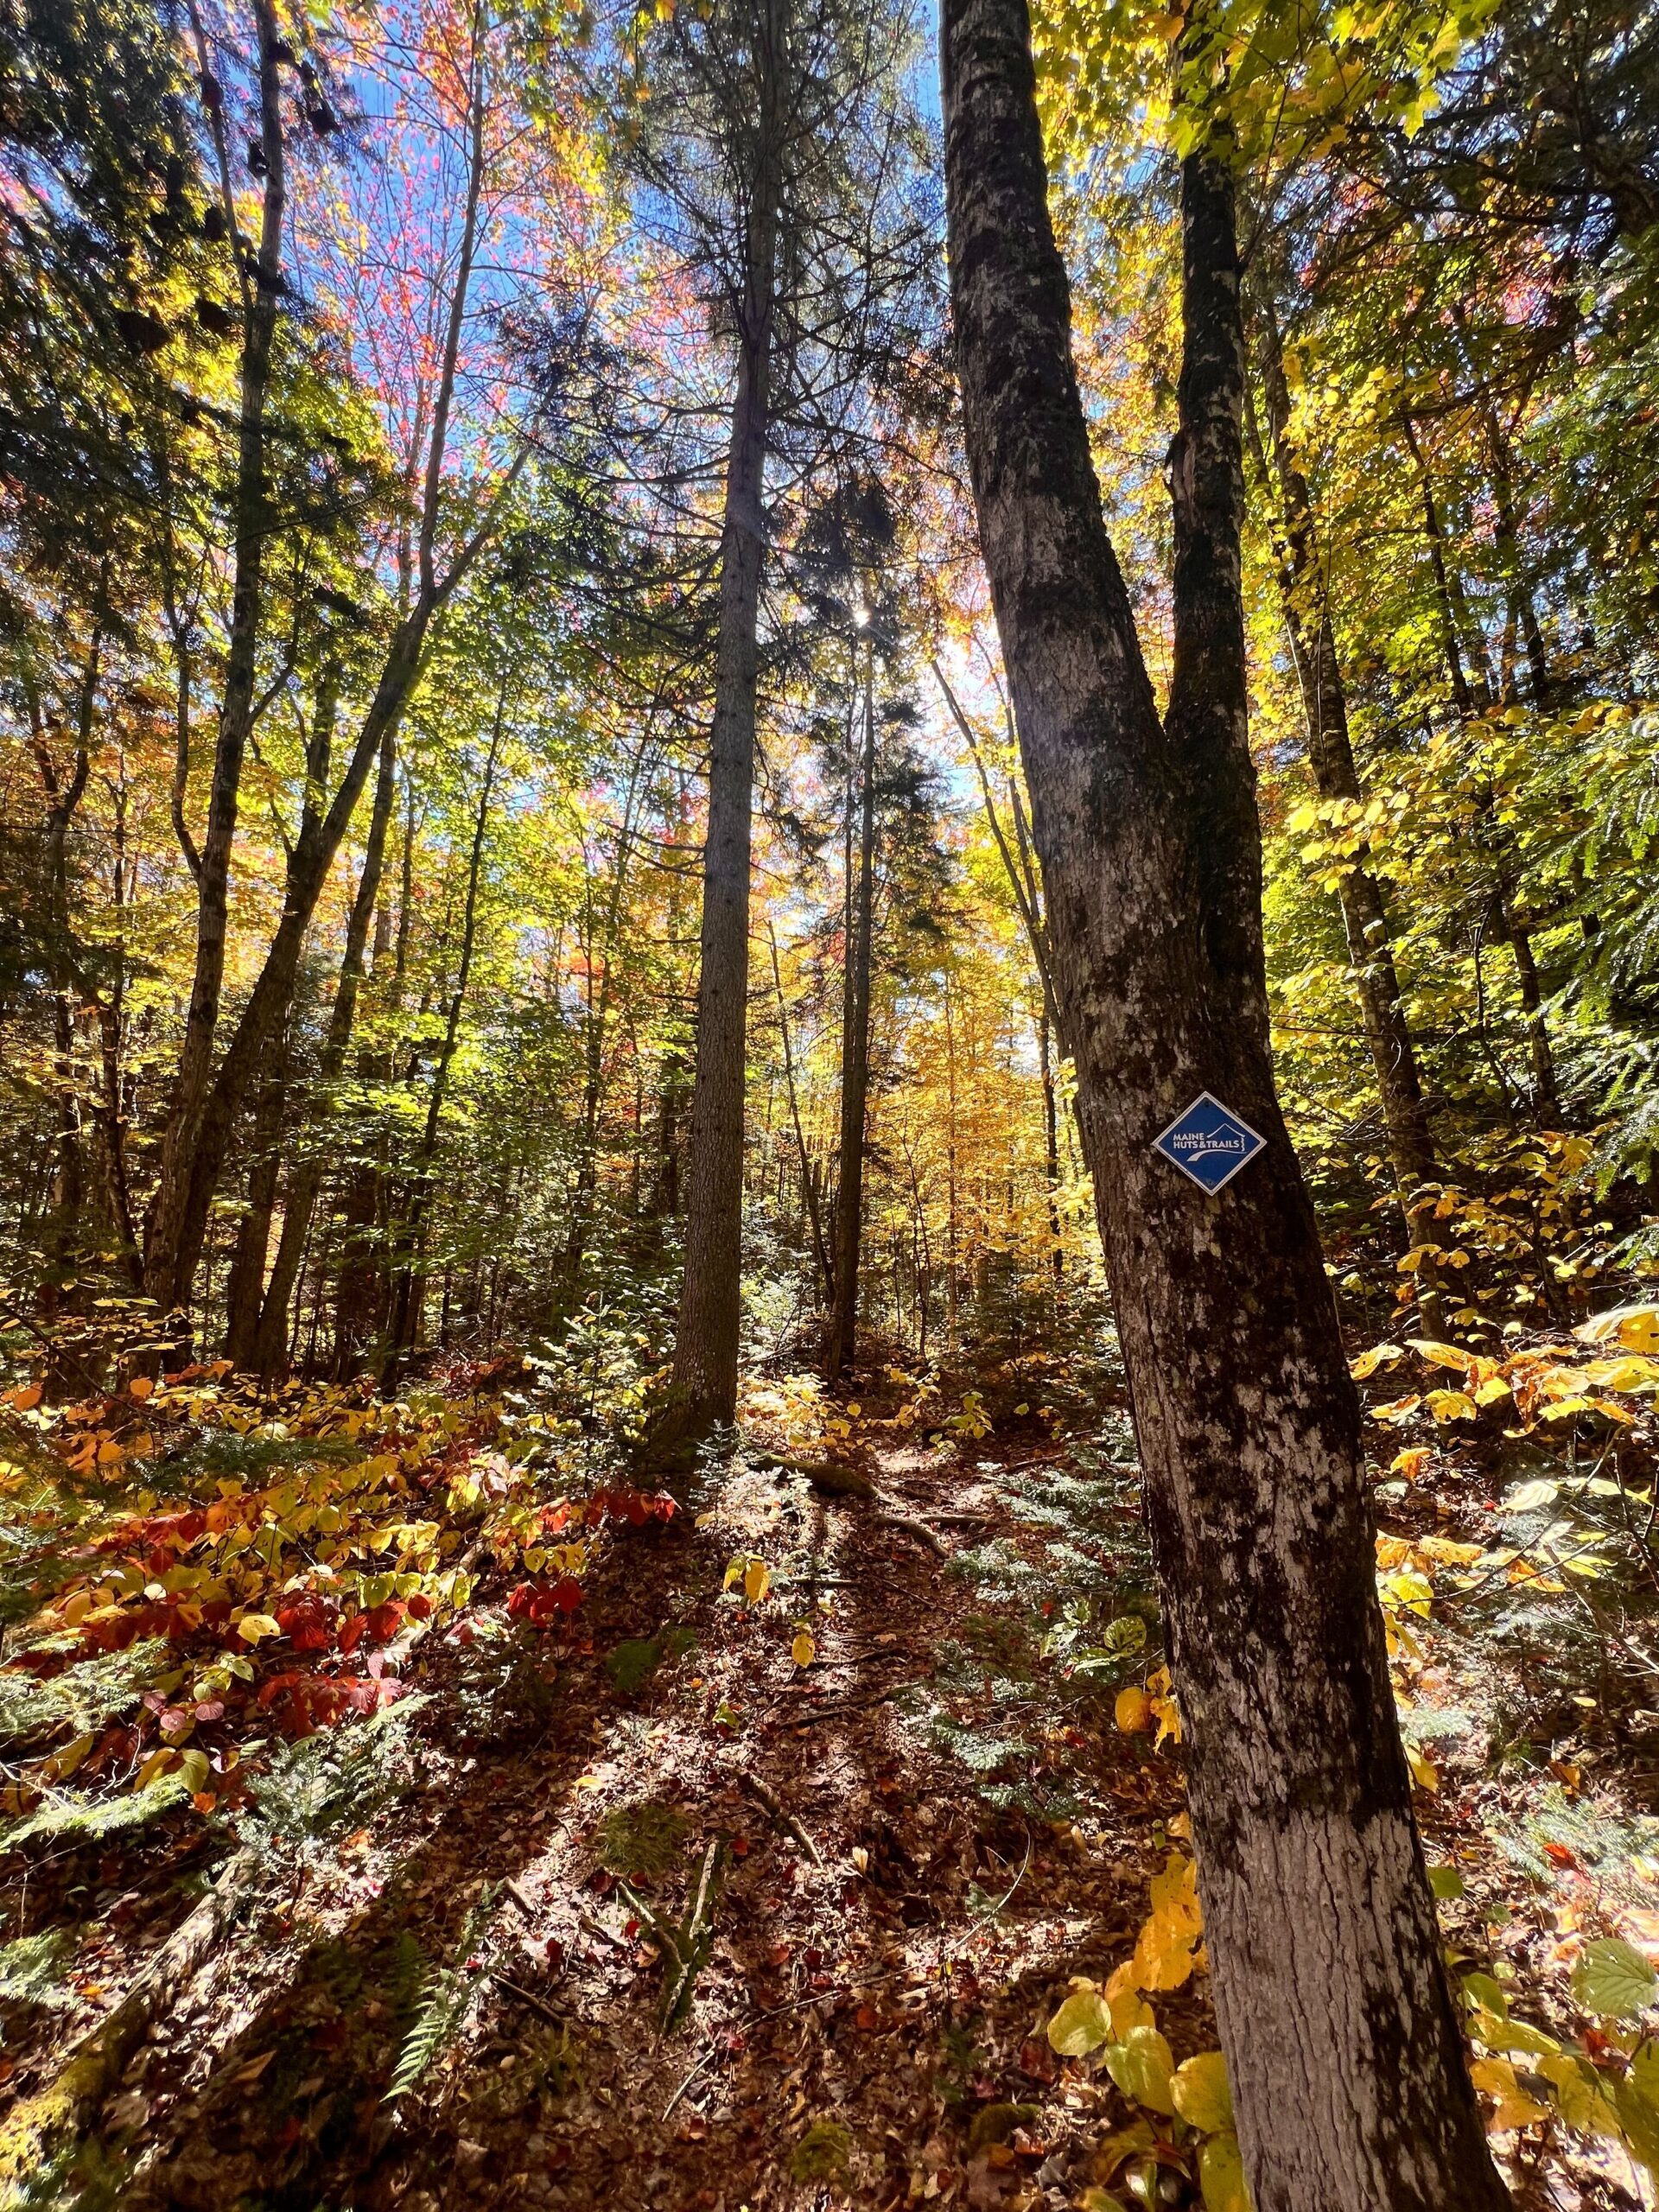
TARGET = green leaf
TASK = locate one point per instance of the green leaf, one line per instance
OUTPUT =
(1201, 2094)
(1143, 2067)
(1613, 1978)
(1081, 2026)
(1486, 1995)
(1221, 2176)
(1446, 1883)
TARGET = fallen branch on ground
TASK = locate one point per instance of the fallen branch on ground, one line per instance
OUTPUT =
(768, 1796)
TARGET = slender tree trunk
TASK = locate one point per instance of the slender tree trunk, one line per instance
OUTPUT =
(1346, 2062)
(855, 1058)
(809, 1185)
(166, 1229)
(1446, 602)
(1304, 596)
(952, 1188)
(706, 1342)
(305, 1179)
(410, 1279)
(1546, 1095)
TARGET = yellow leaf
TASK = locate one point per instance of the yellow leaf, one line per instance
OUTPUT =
(757, 1580)
(1142, 2066)
(253, 1627)
(1628, 1374)
(1410, 1464)
(803, 1651)
(1125, 2003)
(1378, 1356)
(1202, 2095)
(1514, 2108)
(1132, 1711)
(1450, 1405)
(1636, 1327)
(1443, 1548)
(1423, 1771)
(1439, 1354)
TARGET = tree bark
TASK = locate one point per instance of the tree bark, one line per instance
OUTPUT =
(243, 1292)
(305, 1179)
(809, 1186)
(166, 1229)
(706, 1342)
(1346, 2062)
(269, 1001)
(855, 1058)
(409, 1282)
(1304, 596)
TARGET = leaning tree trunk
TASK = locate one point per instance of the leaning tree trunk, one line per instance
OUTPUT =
(706, 1340)
(1347, 2067)
(855, 1061)
(1412, 1154)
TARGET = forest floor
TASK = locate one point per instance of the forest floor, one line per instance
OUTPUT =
(926, 1822)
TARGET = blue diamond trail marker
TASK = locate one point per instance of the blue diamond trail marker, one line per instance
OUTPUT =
(1209, 1142)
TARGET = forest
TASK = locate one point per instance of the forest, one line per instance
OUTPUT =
(829, 1105)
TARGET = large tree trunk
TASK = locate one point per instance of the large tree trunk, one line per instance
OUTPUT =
(166, 1230)
(244, 1290)
(855, 1060)
(1364, 914)
(706, 1341)
(1347, 2066)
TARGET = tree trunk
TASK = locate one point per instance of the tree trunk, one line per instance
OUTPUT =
(809, 1184)
(305, 1179)
(243, 1292)
(706, 1342)
(1546, 1095)
(166, 1229)
(855, 1058)
(1346, 2062)
(1365, 917)
(267, 1009)
(404, 1327)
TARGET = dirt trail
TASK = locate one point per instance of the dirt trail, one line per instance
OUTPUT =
(861, 2028)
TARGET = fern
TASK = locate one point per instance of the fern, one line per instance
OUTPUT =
(339, 1775)
(441, 2010)
(67, 1816)
(32, 1970)
(82, 1699)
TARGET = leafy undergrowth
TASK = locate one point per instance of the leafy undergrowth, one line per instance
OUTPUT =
(592, 1850)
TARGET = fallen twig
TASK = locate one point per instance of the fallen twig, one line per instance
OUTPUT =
(845, 1705)
(781, 1813)
(527, 1997)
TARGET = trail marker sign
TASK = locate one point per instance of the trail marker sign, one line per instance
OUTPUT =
(1209, 1142)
